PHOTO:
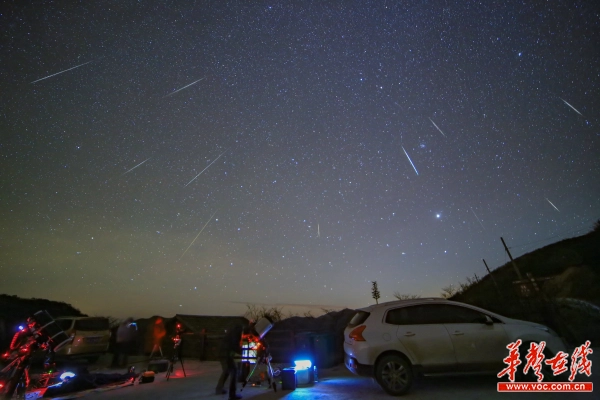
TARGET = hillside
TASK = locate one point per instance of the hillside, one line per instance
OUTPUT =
(15, 310)
(567, 274)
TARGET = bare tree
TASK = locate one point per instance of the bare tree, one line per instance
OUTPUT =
(255, 312)
(448, 291)
(375, 292)
(308, 314)
(401, 296)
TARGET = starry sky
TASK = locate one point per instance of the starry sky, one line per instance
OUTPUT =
(163, 157)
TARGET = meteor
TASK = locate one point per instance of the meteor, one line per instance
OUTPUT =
(411, 163)
(206, 168)
(210, 219)
(552, 205)
(480, 223)
(574, 109)
(187, 86)
(50, 76)
(136, 166)
(437, 127)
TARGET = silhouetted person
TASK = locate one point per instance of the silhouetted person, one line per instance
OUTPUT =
(158, 333)
(203, 344)
(230, 346)
(125, 338)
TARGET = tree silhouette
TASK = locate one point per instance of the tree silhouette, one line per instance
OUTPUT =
(375, 292)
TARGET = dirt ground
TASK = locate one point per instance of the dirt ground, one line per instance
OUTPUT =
(334, 383)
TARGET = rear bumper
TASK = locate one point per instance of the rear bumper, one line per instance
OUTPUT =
(356, 368)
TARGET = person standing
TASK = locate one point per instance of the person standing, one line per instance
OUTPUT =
(230, 346)
(125, 337)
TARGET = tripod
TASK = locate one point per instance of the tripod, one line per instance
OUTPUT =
(176, 356)
(263, 358)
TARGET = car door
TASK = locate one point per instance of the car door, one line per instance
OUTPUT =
(423, 336)
(479, 345)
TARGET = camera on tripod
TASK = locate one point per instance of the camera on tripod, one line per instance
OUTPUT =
(255, 350)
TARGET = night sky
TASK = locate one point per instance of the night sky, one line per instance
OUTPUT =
(170, 157)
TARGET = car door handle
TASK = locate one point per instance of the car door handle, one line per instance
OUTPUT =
(458, 333)
(409, 334)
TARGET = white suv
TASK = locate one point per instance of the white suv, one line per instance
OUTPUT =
(395, 341)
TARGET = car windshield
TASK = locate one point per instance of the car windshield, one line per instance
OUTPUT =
(92, 324)
(359, 318)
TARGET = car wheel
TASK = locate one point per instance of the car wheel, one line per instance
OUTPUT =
(394, 374)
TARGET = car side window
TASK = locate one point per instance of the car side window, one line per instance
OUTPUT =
(416, 315)
(65, 324)
(462, 315)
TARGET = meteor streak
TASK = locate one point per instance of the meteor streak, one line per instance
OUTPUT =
(411, 163)
(437, 127)
(551, 202)
(574, 109)
(187, 86)
(210, 219)
(50, 76)
(206, 168)
(136, 166)
(480, 223)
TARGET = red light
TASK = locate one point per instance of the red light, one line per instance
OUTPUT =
(356, 333)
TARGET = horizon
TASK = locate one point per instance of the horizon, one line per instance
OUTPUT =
(199, 157)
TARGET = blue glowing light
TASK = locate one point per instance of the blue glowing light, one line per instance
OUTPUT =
(302, 364)
(66, 375)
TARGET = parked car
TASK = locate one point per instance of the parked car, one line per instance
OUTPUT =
(91, 337)
(397, 340)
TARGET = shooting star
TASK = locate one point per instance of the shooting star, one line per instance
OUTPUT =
(210, 219)
(206, 168)
(552, 205)
(480, 223)
(187, 86)
(318, 231)
(574, 109)
(411, 163)
(58, 73)
(437, 127)
(136, 166)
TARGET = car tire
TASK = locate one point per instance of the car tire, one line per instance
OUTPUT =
(394, 374)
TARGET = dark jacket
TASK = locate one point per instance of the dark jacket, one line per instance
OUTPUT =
(231, 342)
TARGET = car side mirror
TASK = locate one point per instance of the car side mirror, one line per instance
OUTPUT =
(488, 320)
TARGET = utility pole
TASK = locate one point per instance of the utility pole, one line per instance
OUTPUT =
(513, 261)
(492, 276)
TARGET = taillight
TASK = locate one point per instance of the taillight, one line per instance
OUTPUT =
(356, 333)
